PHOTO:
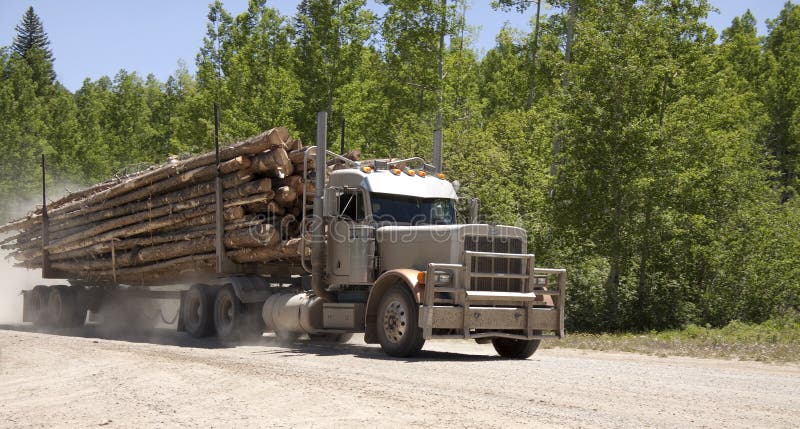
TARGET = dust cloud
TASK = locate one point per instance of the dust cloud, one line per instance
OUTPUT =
(13, 281)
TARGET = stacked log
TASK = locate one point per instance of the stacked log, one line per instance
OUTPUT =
(158, 225)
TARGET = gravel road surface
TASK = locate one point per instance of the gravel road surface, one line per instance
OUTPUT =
(85, 377)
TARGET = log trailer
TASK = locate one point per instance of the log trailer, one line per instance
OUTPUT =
(382, 255)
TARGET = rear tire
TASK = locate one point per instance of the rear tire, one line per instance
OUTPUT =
(234, 320)
(398, 330)
(515, 349)
(61, 307)
(38, 305)
(197, 311)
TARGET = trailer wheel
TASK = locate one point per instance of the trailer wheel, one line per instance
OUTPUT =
(197, 311)
(398, 332)
(38, 305)
(235, 320)
(61, 307)
(79, 308)
(515, 349)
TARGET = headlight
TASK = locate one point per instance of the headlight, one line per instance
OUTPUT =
(442, 277)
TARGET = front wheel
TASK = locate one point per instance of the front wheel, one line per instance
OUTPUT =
(398, 330)
(515, 349)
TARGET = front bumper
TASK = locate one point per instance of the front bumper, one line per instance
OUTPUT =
(452, 310)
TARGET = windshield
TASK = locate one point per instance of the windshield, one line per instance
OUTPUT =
(412, 210)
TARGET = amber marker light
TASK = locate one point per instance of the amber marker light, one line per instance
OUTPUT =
(396, 171)
(411, 172)
(366, 169)
(440, 175)
(422, 174)
(421, 277)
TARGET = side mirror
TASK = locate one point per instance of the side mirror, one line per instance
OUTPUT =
(474, 208)
(330, 202)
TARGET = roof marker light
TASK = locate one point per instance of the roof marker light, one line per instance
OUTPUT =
(366, 169)
(440, 175)
(396, 171)
(411, 172)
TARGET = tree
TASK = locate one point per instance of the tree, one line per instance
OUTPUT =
(782, 95)
(32, 44)
(329, 38)
(245, 66)
(741, 49)
(414, 34)
(645, 141)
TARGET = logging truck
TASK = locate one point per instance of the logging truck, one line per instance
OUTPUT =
(380, 253)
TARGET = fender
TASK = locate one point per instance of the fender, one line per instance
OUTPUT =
(402, 276)
(248, 288)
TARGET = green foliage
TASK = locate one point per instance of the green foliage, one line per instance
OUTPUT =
(32, 44)
(775, 340)
(657, 166)
(781, 92)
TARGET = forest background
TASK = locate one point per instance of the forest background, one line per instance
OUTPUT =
(652, 157)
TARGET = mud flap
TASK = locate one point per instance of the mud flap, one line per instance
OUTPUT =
(26, 304)
(181, 327)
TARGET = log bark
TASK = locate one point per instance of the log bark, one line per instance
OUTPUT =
(183, 180)
(152, 225)
(296, 156)
(275, 137)
(265, 207)
(295, 144)
(286, 250)
(201, 189)
(274, 163)
(183, 234)
(263, 236)
(251, 146)
(285, 196)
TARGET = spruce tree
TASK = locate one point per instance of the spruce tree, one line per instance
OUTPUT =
(32, 44)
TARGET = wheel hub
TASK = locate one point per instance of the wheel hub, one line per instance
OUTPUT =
(395, 320)
(195, 310)
(227, 312)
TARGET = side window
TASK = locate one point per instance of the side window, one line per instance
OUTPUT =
(351, 206)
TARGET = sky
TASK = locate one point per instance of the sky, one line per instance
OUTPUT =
(94, 38)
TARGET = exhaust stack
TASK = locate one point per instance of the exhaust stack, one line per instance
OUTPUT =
(318, 221)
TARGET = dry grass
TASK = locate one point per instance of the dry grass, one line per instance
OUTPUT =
(772, 341)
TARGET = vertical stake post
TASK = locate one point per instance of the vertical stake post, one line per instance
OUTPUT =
(341, 149)
(113, 261)
(220, 222)
(45, 223)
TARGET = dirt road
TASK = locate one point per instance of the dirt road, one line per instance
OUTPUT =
(80, 378)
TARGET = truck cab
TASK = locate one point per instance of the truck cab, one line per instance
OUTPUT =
(400, 268)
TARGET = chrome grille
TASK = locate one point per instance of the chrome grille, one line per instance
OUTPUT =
(482, 243)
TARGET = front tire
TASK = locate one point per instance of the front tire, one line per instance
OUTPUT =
(398, 330)
(515, 349)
